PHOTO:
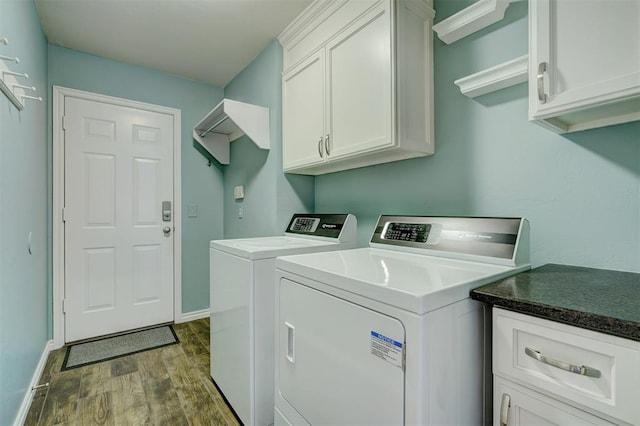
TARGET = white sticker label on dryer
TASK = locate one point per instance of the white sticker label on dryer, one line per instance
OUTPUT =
(386, 348)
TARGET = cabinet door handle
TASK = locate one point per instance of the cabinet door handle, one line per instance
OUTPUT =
(291, 343)
(582, 370)
(327, 145)
(504, 409)
(320, 148)
(542, 68)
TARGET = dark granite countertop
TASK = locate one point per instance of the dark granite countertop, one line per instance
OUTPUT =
(595, 299)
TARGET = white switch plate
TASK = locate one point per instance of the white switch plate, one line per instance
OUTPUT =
(238, 192)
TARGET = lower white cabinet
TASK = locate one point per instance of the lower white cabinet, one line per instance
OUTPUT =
(516, 405)
(551, 373)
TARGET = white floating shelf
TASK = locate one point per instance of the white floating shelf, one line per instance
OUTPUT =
(228, 121)
(479, 15)
(495, 78)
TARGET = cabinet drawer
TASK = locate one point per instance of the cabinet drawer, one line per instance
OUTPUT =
(524, 407)
(597, 371)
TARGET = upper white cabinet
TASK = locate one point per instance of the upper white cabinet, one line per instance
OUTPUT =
(584, 63)
(357, 85)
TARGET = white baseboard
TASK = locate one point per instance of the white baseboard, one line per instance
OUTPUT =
(192, 316)
(37, 374)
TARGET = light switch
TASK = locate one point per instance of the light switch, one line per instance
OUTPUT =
(192, 210)
(238, 192)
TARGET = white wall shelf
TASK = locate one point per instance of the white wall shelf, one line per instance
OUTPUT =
(479, 15)
(495, 78)
(228, 121)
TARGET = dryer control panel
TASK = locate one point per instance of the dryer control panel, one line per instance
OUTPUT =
(455, 237)
(412, 232)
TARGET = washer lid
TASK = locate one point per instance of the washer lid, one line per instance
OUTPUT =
(413, 282)
(267, 247)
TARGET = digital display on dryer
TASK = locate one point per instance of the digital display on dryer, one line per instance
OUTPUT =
(413, 232)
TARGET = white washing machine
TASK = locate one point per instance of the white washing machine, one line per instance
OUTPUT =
(242, 276)
(387, 335)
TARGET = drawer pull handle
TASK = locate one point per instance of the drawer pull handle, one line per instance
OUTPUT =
(583, 370)
(542, 68)
(504, 409)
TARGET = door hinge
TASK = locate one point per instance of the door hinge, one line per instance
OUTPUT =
(64, 214)
(64, 306)
(64, 122)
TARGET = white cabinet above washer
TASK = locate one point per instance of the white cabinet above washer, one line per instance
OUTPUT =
(357, 85)
(228, 121)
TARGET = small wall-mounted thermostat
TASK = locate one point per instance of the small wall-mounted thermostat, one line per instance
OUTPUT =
(238, 192)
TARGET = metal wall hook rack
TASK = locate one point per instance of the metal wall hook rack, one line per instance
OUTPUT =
(9, 81)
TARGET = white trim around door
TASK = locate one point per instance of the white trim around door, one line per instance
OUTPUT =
(59, 94)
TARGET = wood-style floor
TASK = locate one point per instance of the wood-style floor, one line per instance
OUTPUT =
(164, 386)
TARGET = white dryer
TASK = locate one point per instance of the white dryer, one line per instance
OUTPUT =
(387, 335)
(242, 277)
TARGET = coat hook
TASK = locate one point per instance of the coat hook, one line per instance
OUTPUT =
(209, 163)
(4, 40)
(20, 86)
(10, 58)
(18, 74)
(35, 98)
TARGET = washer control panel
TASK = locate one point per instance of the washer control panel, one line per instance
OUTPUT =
(304, 224)
(322, 225)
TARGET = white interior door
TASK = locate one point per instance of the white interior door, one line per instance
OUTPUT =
(118, 254)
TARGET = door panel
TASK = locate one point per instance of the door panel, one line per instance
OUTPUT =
(303, 112)
(359, 115)
(339, 363)
(118, 260)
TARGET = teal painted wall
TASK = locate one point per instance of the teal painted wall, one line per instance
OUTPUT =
(270, 196)
(23, 209)
(201, 185)
(581, 191)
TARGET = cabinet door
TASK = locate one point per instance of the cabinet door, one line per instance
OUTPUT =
(359, 84)
(584, 62)
(303, 113)
(515, 405)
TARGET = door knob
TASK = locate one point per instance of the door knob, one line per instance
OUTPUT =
(166, 230)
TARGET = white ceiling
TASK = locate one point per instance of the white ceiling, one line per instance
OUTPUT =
(209, 41)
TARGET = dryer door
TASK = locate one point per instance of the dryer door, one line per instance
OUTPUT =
(339, 363)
